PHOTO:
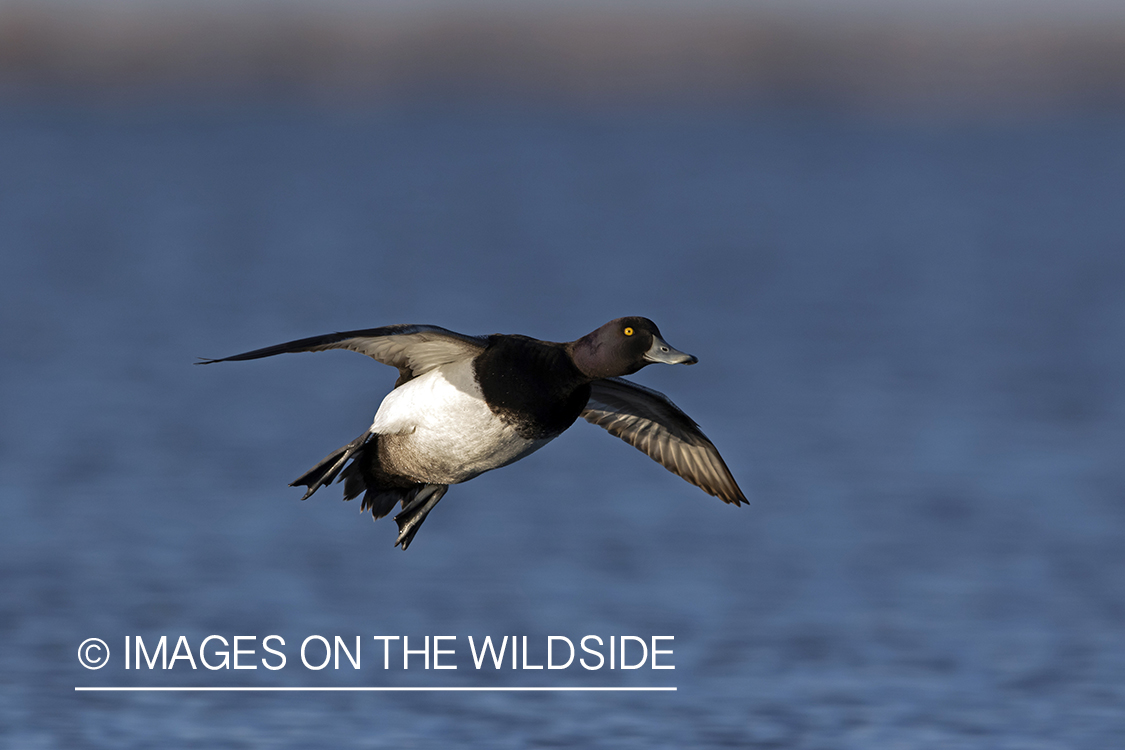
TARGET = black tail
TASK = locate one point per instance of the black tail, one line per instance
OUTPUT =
(324, 472)
(379, 494)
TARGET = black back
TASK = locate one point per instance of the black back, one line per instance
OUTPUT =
(532, 385)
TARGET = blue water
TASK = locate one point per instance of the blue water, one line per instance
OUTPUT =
(912, 347)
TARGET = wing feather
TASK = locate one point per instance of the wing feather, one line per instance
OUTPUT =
(413, 349)
(650, 422)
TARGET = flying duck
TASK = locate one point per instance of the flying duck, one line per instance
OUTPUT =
(463, 405)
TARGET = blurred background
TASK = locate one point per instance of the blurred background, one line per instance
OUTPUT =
(893, 234)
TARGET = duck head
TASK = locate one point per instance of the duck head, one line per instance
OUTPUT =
(623, 346)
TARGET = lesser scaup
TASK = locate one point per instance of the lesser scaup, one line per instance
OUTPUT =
(463, 405)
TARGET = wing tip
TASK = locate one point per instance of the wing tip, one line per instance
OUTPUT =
(730, 495)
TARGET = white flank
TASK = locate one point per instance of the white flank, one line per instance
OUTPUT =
(438, 429)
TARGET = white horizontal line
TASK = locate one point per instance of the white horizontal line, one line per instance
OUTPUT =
(370, 689)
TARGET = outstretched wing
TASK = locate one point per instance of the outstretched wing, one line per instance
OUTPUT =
(648, 421)
(413, 349)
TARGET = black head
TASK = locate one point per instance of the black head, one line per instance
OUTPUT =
(623, 346)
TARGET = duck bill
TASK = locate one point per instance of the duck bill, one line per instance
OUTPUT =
(661, 352)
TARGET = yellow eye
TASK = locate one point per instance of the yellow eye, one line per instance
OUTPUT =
(628, 331)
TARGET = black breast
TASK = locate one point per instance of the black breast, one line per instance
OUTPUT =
(531, 385)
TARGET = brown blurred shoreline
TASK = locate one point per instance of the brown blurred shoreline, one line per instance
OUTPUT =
(722, 54)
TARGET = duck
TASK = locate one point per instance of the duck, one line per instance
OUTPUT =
(464, 405)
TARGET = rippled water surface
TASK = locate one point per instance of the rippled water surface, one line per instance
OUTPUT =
(912, 348)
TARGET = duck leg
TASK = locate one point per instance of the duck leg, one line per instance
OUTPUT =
(414, 512)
